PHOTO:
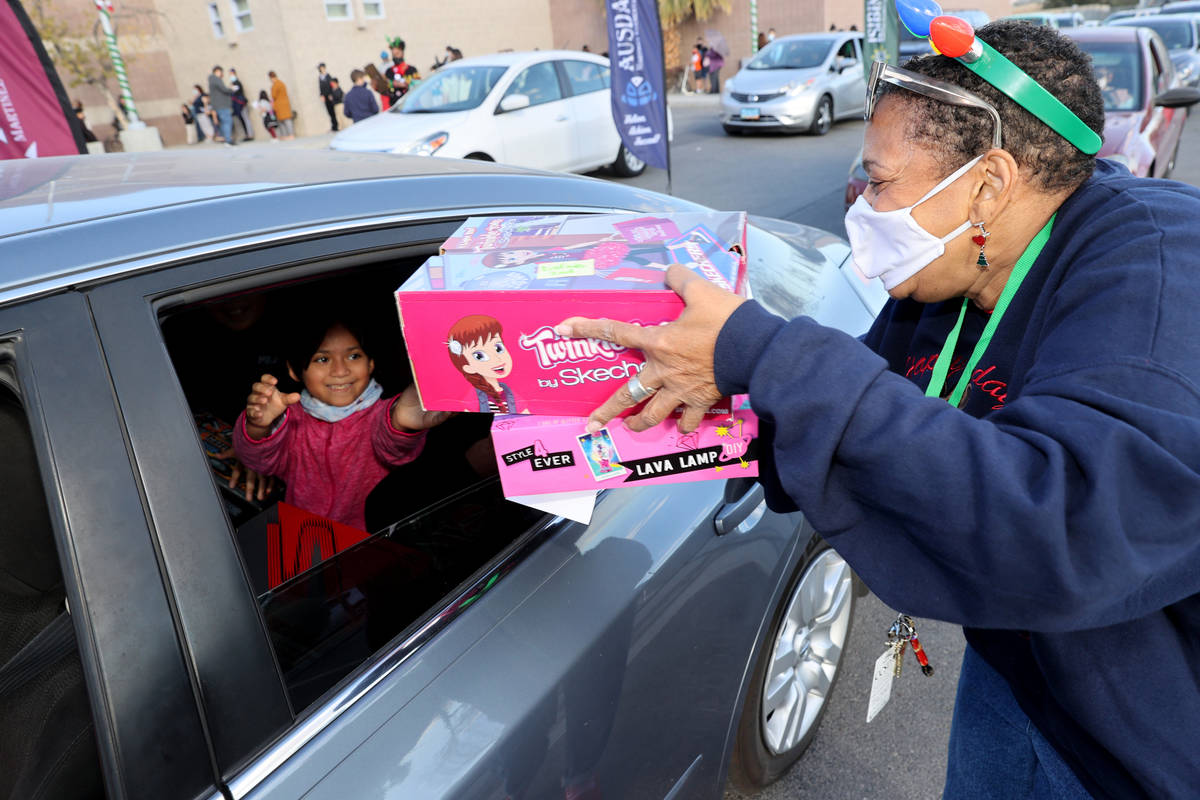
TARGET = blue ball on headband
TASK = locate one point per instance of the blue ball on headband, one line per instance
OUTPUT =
(917, 14)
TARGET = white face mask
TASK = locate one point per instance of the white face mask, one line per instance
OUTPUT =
(891, 245)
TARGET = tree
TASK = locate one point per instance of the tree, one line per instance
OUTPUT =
(81, 58)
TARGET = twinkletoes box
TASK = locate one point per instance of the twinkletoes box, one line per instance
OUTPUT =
(479, 319)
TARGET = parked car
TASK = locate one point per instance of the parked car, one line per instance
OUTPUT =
(1180, 7)
(1181, 34)
(912, 45)
(797, 83)
(470, 647)
(544, 109)
(1145, 107)
(1046, 20)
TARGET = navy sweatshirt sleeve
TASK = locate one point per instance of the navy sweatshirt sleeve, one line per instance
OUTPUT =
(1074, 505)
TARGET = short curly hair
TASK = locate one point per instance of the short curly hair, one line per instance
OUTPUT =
(956, 134)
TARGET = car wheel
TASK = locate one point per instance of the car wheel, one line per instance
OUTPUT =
(823, 120)
(627, 164)
(796, 669)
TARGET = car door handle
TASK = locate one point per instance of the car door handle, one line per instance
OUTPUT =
(747, 508)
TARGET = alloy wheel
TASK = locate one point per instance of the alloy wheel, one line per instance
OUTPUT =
(807, 652)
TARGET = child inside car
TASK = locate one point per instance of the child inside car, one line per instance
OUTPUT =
(342, 440)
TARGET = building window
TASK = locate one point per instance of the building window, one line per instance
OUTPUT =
(373, 10)
(337, 9)
(214, 16)
(241, 15)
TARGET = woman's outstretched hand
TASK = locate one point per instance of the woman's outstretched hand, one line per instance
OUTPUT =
(679, 355)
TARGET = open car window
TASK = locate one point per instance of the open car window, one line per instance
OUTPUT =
(333, 592)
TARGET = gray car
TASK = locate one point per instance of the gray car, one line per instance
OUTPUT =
(470, 647)
(797, 83)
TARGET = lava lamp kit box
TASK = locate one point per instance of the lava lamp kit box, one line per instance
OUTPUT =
(478, 319)
(542, 454)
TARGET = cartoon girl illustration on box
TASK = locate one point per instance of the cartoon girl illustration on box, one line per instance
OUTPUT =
(602, 454)
(477, 350)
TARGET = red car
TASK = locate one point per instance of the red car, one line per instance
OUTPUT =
(1145, 108)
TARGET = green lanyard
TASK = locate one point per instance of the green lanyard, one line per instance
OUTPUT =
(937, 381)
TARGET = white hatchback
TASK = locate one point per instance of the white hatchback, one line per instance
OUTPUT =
(544, 109)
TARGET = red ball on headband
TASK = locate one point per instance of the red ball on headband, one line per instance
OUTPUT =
(952, 36)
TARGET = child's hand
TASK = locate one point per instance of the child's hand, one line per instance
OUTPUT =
(407, 414)
(266, 403)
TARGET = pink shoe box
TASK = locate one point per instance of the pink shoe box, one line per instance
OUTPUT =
(478, 320)
(539, 455)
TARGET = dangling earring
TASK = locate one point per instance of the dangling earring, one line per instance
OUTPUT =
(981, 240)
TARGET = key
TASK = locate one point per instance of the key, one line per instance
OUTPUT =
(899, 646)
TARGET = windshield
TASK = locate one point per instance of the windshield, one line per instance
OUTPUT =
(451, 89)
(1175, 33)
(1118, 70)
(792, 54)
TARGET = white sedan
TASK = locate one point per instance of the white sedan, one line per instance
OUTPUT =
(544, 109)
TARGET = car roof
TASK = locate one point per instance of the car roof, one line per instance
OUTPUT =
(510, 58)
(77, 219)
(1104, 33)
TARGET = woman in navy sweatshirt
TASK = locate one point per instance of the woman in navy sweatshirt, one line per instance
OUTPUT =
(1052, 507)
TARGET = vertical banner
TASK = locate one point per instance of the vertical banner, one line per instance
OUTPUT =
(881, 37)
(639, 98)
(35, 116)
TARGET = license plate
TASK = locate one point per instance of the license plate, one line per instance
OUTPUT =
(750, 113)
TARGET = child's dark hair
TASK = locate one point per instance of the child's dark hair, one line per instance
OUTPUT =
(309, 331)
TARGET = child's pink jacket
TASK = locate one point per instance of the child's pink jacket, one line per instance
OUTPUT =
(330, 467)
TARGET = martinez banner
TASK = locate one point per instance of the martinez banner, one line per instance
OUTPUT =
(35, 115)
(639, 97)
(881, 34)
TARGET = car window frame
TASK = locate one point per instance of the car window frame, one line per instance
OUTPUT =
(563, 91)
(565, 75)
(224, 270)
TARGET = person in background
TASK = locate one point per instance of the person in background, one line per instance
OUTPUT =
(360, 100)
(762, 40)
(697, 67)
(325, 92)
(241, 105)
(201, 112)
(770, 34)
(189, 122)
(282, 106)
(397, 85)
(713, 62)
(263, 104)
(221, 98)
(88, 136)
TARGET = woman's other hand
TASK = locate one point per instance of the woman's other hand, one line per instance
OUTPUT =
(679, 355)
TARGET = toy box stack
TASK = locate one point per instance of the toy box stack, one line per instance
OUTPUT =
(479, 319)
(478, 322)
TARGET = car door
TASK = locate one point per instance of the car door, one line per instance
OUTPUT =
(541, 134)
(568, 659)
(846, 79)
(596, 139)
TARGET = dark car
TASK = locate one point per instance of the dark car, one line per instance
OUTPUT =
(156, 645)
(1144, 106)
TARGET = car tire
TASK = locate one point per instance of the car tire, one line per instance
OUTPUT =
(823, 119)
(809, 630)
(627, 164)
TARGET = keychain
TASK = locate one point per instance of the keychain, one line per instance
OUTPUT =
(901, 634)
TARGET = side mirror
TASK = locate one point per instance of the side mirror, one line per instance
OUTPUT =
(846, 64)
(1179, 97)
(513, 102)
